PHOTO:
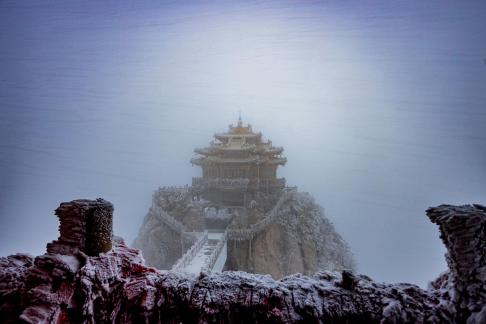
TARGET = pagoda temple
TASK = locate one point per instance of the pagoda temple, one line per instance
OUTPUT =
(237, 166)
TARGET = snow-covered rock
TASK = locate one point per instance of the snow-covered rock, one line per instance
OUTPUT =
(298, 237)
(116, 286)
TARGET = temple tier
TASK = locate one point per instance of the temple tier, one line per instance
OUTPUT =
(237, 166)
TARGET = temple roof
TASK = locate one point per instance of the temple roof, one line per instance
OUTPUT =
(204, 160)
(238, 132)
(240, 139)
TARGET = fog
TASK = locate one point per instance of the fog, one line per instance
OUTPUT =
(380, 107)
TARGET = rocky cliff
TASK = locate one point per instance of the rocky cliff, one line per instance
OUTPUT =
(300, 239)
(161, 236)
(78, 284)
(280, 235)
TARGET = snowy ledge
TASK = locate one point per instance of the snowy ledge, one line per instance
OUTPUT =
(70, 286)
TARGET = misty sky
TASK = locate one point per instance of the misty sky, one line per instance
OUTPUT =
(381, 109)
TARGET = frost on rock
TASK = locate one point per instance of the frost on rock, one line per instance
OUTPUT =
(463, 231)
(116, 286)
(303, 218)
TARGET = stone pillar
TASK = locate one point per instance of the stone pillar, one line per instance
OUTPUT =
(463, 231)
(99, 225)
(85, 225)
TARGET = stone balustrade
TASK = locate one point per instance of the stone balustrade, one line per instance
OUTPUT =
(221, 183)
(249, 232)
(237, 183)
(186, 259)
(170, 221)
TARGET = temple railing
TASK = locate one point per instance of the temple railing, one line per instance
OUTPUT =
(249, 232)
(270, 183)
(237, 183)
(220, 146)
(221, 183)
(191, 253)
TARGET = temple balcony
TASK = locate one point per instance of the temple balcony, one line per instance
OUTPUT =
(238, 183)
(265, 184)
(221, 183)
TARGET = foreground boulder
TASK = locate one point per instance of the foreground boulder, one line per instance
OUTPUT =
(72, 286)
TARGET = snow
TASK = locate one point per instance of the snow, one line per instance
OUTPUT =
(70, 261)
